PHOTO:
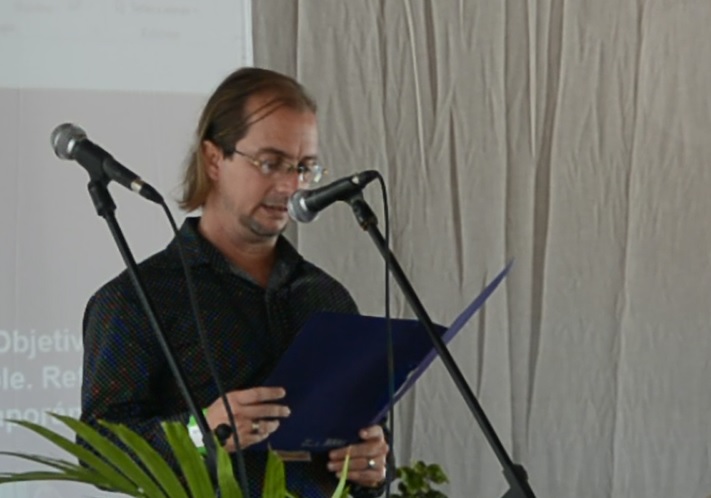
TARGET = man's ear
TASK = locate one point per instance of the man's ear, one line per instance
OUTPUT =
(212, 156)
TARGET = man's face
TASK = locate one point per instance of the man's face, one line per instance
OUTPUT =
(252, 205)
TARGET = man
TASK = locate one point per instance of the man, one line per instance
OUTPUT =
(256, 143)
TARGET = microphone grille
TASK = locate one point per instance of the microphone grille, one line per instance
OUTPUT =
(64, 138)
(297, 211)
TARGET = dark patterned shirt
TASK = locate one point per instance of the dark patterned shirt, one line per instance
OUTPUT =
(127, 379)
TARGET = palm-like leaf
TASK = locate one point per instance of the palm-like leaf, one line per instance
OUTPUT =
(191, 462)
(97, 471)
(226, 477)
(166, 479)
(141, 471)
(341, 489)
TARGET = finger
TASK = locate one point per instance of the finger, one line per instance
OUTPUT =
(367, 478)
(372, 432)
(236, 400)
(245, 415)
(258, 430)
(268, 410)
(361, 450)
(261, 427)
(252, 432)
(358, 464)
(246, 440)
(257, 395)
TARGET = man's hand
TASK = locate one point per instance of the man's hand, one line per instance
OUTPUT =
(254, 413)
(368, 459)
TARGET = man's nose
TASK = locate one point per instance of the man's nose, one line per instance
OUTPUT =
(287, 183)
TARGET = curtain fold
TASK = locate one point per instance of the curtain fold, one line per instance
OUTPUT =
(571, 136)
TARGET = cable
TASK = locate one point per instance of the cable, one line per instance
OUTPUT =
(241, 469)
(391, 356)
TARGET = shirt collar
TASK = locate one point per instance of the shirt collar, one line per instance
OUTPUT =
(199, 251)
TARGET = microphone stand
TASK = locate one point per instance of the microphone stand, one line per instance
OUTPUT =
(105, 208)
(515, 474)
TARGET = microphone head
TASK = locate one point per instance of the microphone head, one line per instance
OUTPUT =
(297, 209)
(64, 138)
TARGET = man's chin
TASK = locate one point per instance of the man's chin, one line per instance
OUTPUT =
(266, 231)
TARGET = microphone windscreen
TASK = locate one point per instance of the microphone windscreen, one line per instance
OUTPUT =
(64, 138)
(297, 210)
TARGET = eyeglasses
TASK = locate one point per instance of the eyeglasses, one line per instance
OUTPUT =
(272, 163)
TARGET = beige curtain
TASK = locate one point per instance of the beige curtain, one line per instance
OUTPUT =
(572, 136)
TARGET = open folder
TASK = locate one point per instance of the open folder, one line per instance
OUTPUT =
(335, 374)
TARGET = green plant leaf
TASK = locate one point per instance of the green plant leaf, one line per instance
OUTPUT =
(111, 452)
(406, 475)
(274, 477)
(55, 463)
(68, 471)
(107, 451)
(162, 473)
(436, 474)
(229, 487)
(126, 474)
(341, 488)
(119, 480)
(191, 461)
(40, 475)
(416, 481)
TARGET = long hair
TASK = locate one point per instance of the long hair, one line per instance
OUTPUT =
(224, 120)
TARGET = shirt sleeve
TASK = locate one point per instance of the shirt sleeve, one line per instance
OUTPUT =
(122, 359)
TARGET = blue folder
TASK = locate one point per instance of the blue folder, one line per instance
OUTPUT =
(335, 374)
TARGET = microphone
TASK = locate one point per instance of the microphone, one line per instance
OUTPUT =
(304, 205)
(70, 143)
